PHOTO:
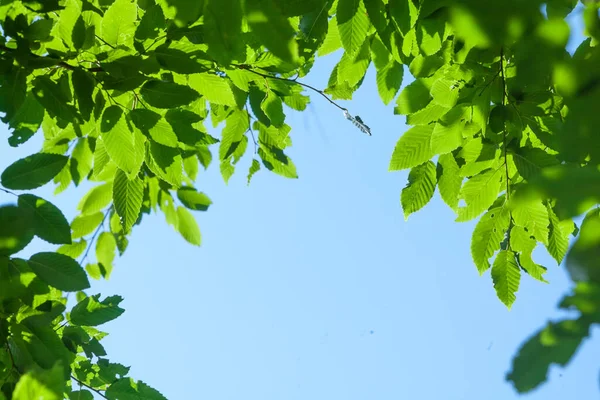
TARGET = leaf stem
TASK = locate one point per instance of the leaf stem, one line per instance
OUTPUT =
(9, 192)
(504, 100)
(87, 250)
(247, 68)
(98, 392)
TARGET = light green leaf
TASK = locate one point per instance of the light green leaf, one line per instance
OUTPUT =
(101, 159)
(332, 41)
(488, 236)
(81, 161)
(479, 193)
(188, 227)
(33, 171)
(106, 247)
(449, 180)
(183, 12)
(523, 243)
(445, 92)
(193, 199)
(118, 24)
(154, 127)
(161, 94)
(214, 88)
(235, 128)
(39, 384)
(127, 197)
(254, 168)
(389, 80)
(533, 216)
(223, 18)
(412, 149)
(446, 137)
(353, 66)
(59, 271)
(49, 222)
(420, 188)
(353, 24)
(413, 98)
(277, 161)
(272, 29)
(506, 276)
(91, 312)
(404, 13)
(86, 224)
(124, 145)
(558, 236)
(96, 199)
(273, 108)
(431, 113)
(166, 163)
(128, 389)
(73, 250)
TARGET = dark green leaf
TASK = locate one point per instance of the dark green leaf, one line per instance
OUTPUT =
(223, 18)
(16, 229)
(167, 94)
(49, 222)
(59, 271)
(33, 171)
(91, 312)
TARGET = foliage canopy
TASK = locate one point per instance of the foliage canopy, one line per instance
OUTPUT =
(502, 121)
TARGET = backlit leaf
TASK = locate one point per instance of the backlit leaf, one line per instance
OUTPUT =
(506, 276)
(488, 236)
(188, 227)
(49, 222)
(59, 271)
(412, 149)
(127, 198)
(353, 24)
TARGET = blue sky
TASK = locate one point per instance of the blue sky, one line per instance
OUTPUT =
(317, 288)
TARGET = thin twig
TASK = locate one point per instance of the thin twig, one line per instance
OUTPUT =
(98, 392)
(246, 67)
(9, 192)
(104, 41)
(87, 250)
(504, 99)
(251, 131)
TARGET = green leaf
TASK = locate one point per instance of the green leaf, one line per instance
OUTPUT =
(54, 100)
(431, 113)
(81, 161)
(39, 384)
(83, 85)
(273, 108)
(73, 250)
(127, 389)
(404, 13)
(154, 127)
(127, 197)
(214, 88)
(161, 94)
(223, 18)
(166, 163)
(272, 29)
(555, 344)
(91, 312)
(523, 243)
(188, 227)
(352, 67)
(445, 92)
(182, 59)
(582, 259)
(49, 222)
(96, 199)
(106, 246)
(558, 236)
(33, 171)
(420, 188)
(16, 229)
(413, 98)
(124, 145)
(193, 199)
(488, 236)
(184, 12)
(118, 24)
(353, 24)
(86, 224)
(533, 216)
(59, 271)
(254, 168)
(26, 121)
(332, 40)
(412, 149)
(446, 137)
(506, 277)
(389, 80)
(479, 193)
(449, 180)
(233, 133)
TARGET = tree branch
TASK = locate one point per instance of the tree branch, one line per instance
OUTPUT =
(87, 250)
(58, 62)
